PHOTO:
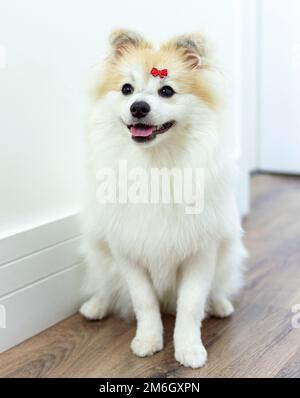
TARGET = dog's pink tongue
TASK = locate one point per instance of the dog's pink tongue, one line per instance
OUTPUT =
(141, 132)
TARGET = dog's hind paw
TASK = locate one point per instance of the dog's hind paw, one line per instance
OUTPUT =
(93, 309)
(220, 307)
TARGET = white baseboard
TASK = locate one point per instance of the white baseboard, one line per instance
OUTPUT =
(39, 265)
(41, 236)
(40, 277)
(38, 306)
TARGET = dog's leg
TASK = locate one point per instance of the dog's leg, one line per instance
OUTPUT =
(149, 333)
(193, 289)
(228, 277)
(99, 284)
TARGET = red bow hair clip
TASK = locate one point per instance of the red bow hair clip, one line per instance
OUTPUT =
(157, 72)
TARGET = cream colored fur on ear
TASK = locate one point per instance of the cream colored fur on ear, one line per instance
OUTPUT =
(194, 46)
(122, 39)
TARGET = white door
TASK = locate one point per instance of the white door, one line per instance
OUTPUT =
(280, 86)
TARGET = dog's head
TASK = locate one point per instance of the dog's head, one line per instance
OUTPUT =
(154, 94)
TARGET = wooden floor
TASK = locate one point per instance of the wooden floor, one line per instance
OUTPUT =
(257, 341)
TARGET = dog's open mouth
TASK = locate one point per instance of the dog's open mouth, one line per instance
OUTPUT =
(144, 133)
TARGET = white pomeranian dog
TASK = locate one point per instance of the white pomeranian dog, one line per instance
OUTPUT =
(155, 110)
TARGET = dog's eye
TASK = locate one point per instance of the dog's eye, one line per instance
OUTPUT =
(166, 91)
(127, 89)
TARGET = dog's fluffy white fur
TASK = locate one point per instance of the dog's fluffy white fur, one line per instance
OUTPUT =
(146, 258)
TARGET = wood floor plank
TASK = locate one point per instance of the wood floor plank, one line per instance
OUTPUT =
(257, 341)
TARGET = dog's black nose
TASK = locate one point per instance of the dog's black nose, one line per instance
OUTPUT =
(140, 109)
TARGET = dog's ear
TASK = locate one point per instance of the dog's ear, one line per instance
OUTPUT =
(121, 40)
(193, 48)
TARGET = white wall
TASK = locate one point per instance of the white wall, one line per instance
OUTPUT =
(50, 46)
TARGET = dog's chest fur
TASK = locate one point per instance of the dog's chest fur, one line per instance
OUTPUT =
(156, 233)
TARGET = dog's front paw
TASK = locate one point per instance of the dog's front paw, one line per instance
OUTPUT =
(191, 356)
(220, 307)
(144, 346)
(93, 309)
